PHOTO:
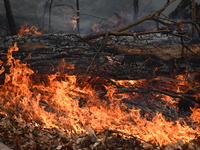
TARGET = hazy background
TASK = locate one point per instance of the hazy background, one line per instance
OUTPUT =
(92, 12)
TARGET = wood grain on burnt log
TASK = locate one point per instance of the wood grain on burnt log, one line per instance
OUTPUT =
(163, 52)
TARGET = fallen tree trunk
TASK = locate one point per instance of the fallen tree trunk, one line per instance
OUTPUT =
(115, 61)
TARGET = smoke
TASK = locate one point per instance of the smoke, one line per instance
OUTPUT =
(91, 12)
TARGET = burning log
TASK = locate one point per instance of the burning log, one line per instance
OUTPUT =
(40, 55)
(45, 54)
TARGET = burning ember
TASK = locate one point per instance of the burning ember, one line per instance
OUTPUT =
(95, 28)
(62, 102)
(73, 22)
(25, 30)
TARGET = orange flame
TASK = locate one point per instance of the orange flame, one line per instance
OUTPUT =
(195, 118)
(25, 30)
(73, 22)
(95, 28)
(68, 105)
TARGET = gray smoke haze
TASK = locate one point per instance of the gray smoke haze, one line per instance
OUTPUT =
(92, 12)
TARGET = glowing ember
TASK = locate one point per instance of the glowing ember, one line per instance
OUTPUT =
(58, 105)
(95, 28)
(25, 30)
(195, 118)
(73, 22)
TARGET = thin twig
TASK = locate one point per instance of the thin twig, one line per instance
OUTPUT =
(164, 18)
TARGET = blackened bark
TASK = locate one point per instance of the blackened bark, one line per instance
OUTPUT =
(9, 15)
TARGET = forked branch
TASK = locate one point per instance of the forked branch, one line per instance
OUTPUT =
(128, 26)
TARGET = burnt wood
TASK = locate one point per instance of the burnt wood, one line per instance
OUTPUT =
(45, 53)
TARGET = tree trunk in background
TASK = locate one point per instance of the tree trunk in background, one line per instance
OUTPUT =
(50, 8)
(78, 16)
(9, 15)
(136, 9)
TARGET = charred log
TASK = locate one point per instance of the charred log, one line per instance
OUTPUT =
(120, 62)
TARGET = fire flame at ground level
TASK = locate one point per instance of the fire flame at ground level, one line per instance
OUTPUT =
(57, 105)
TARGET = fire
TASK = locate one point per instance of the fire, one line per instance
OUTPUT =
(180, 26)
(95, 28)
(117, 20)
(25, 30)
(73, 22)
(67, 104)
(195, 117)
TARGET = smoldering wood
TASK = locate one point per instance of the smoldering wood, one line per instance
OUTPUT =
(170, 27)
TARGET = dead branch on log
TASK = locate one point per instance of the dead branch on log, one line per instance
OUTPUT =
(194, 24)
(97, 56)
(169, 27)
(100, 49)
(185, 46)
(175, 23)
(148, 17)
